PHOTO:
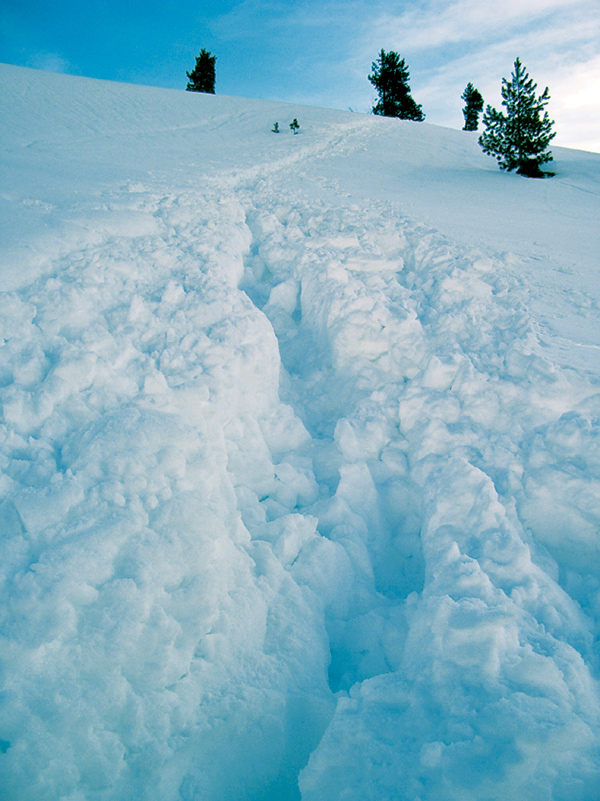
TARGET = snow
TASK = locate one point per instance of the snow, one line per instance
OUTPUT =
(299, 452)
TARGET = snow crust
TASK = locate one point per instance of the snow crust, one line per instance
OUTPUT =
(299, 452)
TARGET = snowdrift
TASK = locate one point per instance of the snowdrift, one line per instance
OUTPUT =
(299, 452)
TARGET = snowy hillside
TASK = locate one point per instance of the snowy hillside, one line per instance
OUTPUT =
(299, 453)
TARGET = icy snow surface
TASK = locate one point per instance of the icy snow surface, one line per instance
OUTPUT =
(300, 456)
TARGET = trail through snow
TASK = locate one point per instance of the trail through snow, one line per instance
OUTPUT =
(418, 374)
(298, 497)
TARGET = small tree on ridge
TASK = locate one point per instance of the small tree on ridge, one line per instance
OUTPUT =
(390, 77)
(473, 107)
(202, 77)
(519, 138)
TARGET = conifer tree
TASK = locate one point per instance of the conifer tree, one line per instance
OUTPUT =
(473, 107)
(519, 138)
(202, 77)
(390, 77)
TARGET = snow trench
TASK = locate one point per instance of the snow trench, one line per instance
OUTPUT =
(435, 425)
(292, 507)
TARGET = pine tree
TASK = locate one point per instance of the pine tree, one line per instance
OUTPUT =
(519, 138)
(202, 77)
(473, 107)
(390, 77)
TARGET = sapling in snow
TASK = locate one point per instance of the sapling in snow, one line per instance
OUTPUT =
(519, 138)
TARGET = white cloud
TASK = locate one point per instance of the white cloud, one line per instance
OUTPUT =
(576, 104)
(50, 62)
(440, 22)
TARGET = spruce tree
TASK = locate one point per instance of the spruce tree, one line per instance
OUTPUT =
(473, 107)
(202, 77)
(390, 77)
(519, 138)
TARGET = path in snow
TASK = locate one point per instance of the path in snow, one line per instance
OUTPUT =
(437, 427)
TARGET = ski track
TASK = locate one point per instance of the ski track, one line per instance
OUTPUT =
(406, 467)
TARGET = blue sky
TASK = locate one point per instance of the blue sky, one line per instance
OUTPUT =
(320, 51)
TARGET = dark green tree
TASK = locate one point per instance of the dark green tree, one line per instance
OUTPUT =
(202, 77)
(473, 107)
(390, 77)
(519, 138)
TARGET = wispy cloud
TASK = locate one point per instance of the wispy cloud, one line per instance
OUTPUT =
(576, 103)
(440, 23)
(50, 62)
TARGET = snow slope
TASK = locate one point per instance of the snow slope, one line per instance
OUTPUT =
(300, 456)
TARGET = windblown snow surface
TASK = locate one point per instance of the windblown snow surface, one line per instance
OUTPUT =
(300, 456)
